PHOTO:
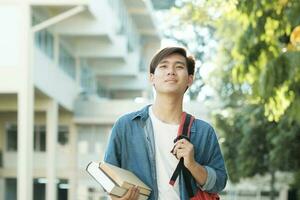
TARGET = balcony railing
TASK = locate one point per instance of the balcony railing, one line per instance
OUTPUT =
(87, 78)
(127, 26)
(143, 65)
(67, 61)
(43, 39)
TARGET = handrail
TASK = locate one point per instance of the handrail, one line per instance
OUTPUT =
(127, 26)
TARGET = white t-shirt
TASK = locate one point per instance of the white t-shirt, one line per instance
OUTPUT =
(166, 162)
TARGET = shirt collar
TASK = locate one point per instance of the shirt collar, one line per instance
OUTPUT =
(144, 115)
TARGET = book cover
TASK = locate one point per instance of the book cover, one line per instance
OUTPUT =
(108, 184)
(124, 178)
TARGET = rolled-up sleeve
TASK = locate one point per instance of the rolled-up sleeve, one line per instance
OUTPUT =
(211, 179)
(215, 166)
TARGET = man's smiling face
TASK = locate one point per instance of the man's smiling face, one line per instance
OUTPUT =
(171, 75)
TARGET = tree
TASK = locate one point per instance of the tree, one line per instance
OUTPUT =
(268, 61)
(265, 57)
(257, 81)
(186, 27)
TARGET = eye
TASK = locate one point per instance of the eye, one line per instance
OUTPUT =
(162, 66)
(180, 67)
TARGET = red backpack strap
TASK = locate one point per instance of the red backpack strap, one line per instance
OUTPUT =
(183, 117)
(185, 125)
(183, 132)
(192, 118)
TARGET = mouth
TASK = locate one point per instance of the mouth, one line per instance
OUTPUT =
(171, 80)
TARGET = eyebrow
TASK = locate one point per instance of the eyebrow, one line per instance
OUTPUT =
(177, 62)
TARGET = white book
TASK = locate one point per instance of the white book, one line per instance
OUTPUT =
(124, 178)
(107, 183)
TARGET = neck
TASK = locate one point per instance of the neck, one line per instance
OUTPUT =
(168, 109)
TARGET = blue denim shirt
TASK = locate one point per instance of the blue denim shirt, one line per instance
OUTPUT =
(132, 147)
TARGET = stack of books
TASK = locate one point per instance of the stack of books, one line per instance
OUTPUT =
(115, 180)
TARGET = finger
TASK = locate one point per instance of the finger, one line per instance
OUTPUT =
(179, 142)
(177, 147)
(180, 154)
(182, 141)
(134, 189)
(184, 144)
(136, 193)
(128, 194)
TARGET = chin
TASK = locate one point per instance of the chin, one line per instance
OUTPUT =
(171, 91)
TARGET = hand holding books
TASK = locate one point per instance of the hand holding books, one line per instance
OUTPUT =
(118, 182)
(132, 194)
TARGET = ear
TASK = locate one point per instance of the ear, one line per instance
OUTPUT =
(151, 78)
(190, 80)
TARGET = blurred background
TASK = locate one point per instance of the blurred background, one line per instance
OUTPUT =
(69, 69)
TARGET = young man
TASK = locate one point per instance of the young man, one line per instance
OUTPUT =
(141, 141)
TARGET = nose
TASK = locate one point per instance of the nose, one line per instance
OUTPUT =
(171, 71)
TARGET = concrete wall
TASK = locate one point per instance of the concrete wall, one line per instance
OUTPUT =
(92, 141)
(10, 35)
(10, 51)
(50, 79)
(114, 67)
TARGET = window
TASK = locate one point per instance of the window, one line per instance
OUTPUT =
(63, 135)
(39, 138)
(62, 189)
(39, 189)
(12, 137)
(87, 79)
(39, 143)
(10, 189)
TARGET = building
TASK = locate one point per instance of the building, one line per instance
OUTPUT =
(67, 69)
